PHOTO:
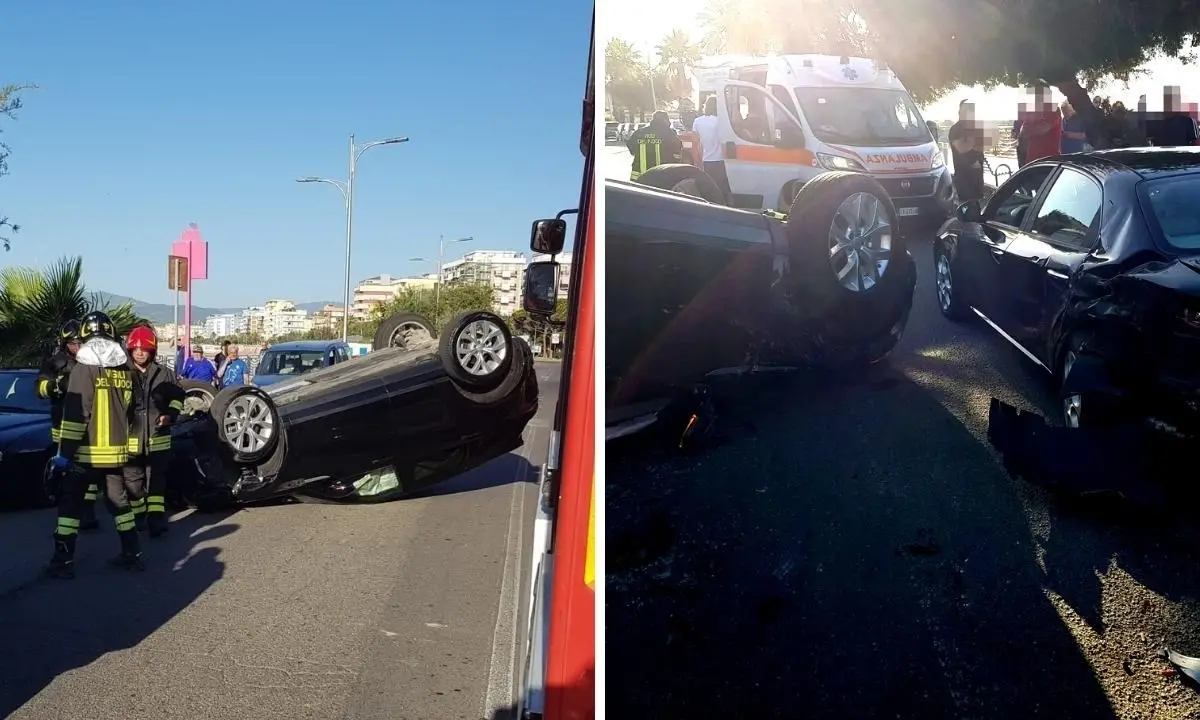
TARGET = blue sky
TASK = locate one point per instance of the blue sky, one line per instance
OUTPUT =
(153, 115)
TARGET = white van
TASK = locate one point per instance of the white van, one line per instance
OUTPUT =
(786, 119)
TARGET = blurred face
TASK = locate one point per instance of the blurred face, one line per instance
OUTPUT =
(73, 347)
(197, 354)
(141, 356)
(233, 352)
(966, 112)
(1067, 110)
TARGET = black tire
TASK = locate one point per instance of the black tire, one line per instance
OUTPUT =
(472, 377)
(522, 360)
(810, 221)
(263, 414)
(694, 181)
(950, 297)
(389, 333)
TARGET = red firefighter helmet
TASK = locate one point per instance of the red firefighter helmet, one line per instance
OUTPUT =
(142, 337)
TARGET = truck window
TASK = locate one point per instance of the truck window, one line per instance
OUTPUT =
(785, 99)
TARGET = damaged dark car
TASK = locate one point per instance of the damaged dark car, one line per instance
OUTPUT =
(1089, 264)
(707, 289)
(375, 428)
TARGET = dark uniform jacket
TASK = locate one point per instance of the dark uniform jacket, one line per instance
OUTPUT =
(99, 405)
(52, 385)
(157, 394)
(652, 147)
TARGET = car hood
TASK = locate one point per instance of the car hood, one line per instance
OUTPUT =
(265, 380)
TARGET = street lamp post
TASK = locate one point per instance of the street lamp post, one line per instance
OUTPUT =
(347, 190)
(437, 293)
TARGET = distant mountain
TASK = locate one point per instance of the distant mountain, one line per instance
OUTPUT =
(160, 313)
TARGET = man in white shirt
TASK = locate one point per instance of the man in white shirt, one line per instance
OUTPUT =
(708, 128)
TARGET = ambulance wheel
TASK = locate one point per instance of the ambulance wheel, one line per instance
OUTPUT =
(402, 330)
(683, 179)
(247, 423)
(476, 350)
(844, 244)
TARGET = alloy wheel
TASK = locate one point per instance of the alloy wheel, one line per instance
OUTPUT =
(860, 242)
(248, 423)
(1072, 405)
(480, 347)
(945, 281)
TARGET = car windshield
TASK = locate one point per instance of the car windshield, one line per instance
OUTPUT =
(1174, 210)
(18, 393)
(290, 362)
(863, 116)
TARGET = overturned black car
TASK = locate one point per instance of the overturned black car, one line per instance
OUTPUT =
(371, 429)
(1089, 264)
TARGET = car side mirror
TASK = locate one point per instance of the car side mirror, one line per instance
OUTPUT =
(788, 135)
(934, 130)
(970, 211)
(548, 236)
(540, 294)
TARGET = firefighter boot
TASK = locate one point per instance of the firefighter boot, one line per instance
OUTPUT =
(62, 564)
(131, 555)
(156, 523)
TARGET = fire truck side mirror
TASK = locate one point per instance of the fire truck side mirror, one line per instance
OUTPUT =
(540, 293)
(548, 236)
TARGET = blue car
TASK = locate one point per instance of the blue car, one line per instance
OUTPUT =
(25, 444)
(289, 360)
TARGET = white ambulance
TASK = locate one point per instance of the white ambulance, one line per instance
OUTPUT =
(787, 118)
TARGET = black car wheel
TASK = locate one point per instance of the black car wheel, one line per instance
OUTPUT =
(843, 240)
(477, 350)
(522, 360)
(198, 396)
(949, 296)
(1086, 397)
(403, 330)
(683, 179)
(247, 422)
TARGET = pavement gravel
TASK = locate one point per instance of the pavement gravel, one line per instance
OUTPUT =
(288, 611)
(851, 548)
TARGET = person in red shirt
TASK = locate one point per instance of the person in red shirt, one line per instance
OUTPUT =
(1041, 128)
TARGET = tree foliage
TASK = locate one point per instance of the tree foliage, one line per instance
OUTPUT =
(453, 299)
(34, 303)
(937, 45)
(10, 103)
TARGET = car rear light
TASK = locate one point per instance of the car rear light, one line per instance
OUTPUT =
(1191, 318)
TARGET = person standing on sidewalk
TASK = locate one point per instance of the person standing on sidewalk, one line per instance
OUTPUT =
(1042, 128)
(199, 368)
(160, 401)
(709, 129)
(966, 153)
(235, 370)
(1074, 132)
(99, 405)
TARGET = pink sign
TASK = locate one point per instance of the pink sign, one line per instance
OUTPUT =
(191, 245)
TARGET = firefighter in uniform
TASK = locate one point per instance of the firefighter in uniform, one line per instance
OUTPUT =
(52, 385)
(160, 400)
(654, 145)
(99, 404)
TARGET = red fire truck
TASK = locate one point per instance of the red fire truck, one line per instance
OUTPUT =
(559, 680)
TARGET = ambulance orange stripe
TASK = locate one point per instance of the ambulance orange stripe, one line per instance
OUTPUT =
(766, 154)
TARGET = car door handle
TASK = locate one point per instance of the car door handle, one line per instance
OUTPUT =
(1057, 274)
(998, 252)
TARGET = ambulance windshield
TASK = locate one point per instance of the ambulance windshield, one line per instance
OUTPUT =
(866, 117)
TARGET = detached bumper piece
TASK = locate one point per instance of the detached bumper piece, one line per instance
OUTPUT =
(1129, 460)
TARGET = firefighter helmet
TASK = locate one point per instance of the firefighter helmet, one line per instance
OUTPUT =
(142, 337)
(69, 332)
(96, 324)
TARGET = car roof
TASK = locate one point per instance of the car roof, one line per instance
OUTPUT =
(1146, 162)
(306, 345)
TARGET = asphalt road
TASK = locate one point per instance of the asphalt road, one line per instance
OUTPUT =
(852, 549)
(401, 610)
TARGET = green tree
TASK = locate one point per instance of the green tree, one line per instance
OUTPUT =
(677, 53)
(34, 303)
(10, 103)
(454, 299)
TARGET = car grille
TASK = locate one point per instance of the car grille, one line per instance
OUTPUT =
(908, 187)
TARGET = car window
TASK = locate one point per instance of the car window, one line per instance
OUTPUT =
(18, 393)
(1013, 199)
(748, 114)
(332, 358)
(285, 362)
(1173, 208)
(341, 354)
(1070, 210)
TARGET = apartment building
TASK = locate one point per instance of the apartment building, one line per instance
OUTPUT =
(374, 291)
(222, 325)
(504, 270)
(329, 317)
(281, 317)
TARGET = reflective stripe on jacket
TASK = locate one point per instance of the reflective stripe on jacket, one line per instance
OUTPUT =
(97, 410)
(50, 375)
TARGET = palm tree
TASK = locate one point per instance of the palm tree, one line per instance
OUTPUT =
(626, 76)
(676, 54)
(34, 303)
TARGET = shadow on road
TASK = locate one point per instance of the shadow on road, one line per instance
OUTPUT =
(505, 470)
(849, 550)
(49, 627)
